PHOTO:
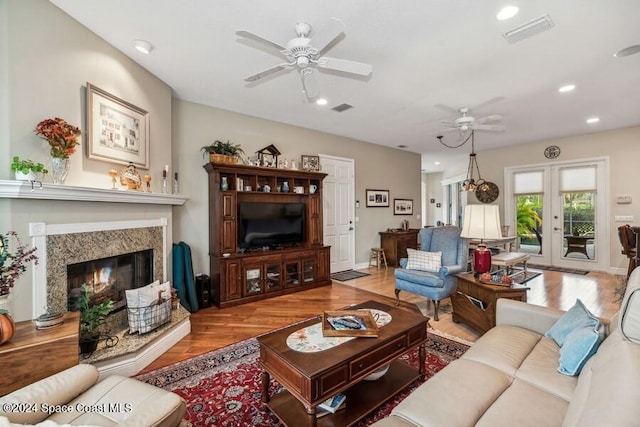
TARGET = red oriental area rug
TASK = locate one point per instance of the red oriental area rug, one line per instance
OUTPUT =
(223, 387)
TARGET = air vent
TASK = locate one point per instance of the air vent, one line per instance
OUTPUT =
(529, 29)
(342, 107)
(402, 146)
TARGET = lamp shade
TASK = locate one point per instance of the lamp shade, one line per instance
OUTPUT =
(481, 222)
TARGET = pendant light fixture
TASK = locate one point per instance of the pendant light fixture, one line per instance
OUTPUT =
(470, 183)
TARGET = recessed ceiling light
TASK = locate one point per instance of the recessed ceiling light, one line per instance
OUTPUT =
(143, 46)
(321, 101)
(507, 12)
(436, 163)
(592, 120)
(627, 51)
(566, 88)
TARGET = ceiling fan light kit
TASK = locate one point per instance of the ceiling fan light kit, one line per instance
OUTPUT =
(304, 52)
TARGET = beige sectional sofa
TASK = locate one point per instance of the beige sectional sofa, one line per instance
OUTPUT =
(509, 376)
(76, 397)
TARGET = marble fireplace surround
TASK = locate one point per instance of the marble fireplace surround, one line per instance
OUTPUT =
(62, 244)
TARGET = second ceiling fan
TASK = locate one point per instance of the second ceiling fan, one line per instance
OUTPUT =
(304, 53)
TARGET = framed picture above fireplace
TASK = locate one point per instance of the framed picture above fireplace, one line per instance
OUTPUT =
(117, 131)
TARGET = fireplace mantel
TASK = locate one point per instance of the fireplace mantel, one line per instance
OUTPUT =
(45, 191)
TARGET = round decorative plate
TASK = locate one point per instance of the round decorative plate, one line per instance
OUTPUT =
(487, 193)
(552, 151)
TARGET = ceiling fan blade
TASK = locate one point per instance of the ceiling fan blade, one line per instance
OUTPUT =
(309, 83)
(266, 73)
(448, 123)
(327, 34)
(492, 118)
(345, 66)
(447, 130)
(485, 103)
(248, 35)
(495, 128)
(448, 109)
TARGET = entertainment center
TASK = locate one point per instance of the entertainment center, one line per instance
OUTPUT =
(265, 232)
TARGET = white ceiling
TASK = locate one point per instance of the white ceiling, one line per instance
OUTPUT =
(423, 52)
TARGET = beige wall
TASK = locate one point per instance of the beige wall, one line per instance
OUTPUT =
(621, 146)
(376, 167)
(46, 58)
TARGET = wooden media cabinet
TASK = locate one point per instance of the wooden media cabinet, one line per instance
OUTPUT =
(239, 276)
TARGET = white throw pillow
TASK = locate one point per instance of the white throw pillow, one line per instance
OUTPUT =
(424, 261)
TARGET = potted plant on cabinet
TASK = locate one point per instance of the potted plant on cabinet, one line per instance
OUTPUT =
(222, 152)
(92, 316)
(27, 170)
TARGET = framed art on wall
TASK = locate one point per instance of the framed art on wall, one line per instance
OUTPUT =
(310, 163)
(403, 206)
(377, 198)
(117, 131)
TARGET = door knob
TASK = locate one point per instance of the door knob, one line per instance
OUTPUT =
(556, 229)
(350, 228)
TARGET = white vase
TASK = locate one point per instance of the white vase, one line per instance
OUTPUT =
(59, 169)
(6, 303)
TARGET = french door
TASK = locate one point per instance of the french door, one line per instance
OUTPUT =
(338, 211)
(559, 211)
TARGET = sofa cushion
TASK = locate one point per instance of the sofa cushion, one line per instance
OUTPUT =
(462, 382)
(607, 393)
(629, 317)
(540, 369)
(423, 261)
(578, 347)
(524, 405)
(504, 348)
(575, 318)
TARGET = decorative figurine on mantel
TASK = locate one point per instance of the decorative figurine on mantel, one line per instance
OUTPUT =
(130, 177)
(268, 156)
(113, 174)
(147, 182)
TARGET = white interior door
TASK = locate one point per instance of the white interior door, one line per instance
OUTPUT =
(338, 211)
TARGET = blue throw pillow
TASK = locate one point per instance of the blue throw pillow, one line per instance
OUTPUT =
(578, 347)
(575, 318)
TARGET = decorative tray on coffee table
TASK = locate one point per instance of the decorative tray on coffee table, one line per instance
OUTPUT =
(349, 323)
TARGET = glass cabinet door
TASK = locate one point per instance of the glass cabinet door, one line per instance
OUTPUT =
(273, 277)
(253, 280)
(292, 274)
(308, 270)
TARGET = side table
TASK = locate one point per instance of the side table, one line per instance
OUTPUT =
(470, 289)
(32, 354)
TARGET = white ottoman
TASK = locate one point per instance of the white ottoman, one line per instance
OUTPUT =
(509, 259)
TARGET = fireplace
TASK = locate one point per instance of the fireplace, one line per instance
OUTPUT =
(110, 277)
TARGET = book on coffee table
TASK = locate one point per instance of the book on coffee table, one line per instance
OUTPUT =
(334, 403)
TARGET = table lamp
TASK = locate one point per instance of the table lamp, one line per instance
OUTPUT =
(481, 222)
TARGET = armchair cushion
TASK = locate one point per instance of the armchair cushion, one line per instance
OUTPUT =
(424, 261)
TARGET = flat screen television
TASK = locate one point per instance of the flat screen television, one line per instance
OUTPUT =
(270, 224)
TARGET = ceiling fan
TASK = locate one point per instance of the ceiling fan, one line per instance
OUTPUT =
(304, 53)
(466, 122)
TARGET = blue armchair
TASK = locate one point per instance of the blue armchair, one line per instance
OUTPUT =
(432, 285)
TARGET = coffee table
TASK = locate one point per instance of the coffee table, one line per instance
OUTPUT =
(310, 378)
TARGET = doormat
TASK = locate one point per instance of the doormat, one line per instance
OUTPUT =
(521, 277)
(343, 276)
(560, 269)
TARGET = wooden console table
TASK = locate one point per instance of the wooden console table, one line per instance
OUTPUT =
(32, 354)
(464, 310)
(395, 244)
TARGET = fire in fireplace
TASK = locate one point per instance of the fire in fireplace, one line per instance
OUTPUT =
(110, 277)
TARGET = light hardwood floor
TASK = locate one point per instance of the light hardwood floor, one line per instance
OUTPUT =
(212, 328)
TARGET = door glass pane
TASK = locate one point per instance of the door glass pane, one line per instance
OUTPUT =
(529, 223)
(579, 225)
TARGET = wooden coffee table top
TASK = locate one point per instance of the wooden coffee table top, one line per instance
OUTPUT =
(309, 364)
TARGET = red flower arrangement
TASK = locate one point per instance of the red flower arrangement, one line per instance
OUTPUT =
(16, 262)
(61, 136)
